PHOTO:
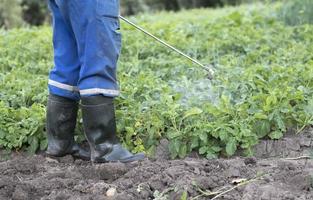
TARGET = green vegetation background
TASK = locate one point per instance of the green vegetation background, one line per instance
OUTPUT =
(263, 83)
(15, 13)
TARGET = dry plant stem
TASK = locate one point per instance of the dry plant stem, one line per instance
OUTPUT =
(219, 193)
(299, 158)
(231, 189)
(206, 193)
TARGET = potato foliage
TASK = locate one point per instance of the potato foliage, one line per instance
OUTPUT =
(263, 84)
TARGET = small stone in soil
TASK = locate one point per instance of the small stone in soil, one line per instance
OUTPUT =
(111, 192)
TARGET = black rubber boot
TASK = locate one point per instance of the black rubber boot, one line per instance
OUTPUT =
(100, 130)
(61, 122)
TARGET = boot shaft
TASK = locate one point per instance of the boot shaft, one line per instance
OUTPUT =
(100, 130)
(61, 117)
(61, 123)
(99, 124)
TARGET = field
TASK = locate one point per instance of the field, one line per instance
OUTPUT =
(262, 90)
(277, 172)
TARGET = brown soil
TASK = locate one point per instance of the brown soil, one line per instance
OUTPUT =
(36, 177)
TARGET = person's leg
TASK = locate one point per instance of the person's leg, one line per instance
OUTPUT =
(62, 101)
(96, 30)
(63, 78)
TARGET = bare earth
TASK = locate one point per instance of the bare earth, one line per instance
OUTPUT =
(277, 172)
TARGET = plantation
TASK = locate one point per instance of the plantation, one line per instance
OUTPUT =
(259, 103)
(263, 83)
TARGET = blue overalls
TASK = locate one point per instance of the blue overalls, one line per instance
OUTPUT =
(86, 45)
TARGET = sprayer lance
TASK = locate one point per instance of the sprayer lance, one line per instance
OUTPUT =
(205, 67)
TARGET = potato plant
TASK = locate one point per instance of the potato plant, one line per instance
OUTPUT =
(262, 87)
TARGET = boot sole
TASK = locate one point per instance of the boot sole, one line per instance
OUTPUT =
(56, 157)
(135, 158)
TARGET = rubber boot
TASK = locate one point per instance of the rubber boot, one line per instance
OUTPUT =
(61, 122)
(100, 129)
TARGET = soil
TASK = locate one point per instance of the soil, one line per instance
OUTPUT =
(270, 175)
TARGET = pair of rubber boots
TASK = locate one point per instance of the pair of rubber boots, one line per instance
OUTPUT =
(99, 125)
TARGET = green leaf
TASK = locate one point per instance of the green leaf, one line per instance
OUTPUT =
(260, 116)
(223, 135)
(129, 130)
(2, 134)
(236, 17)
(231, 146)
(203, 150)
(280, 123)
(192, 111)
(184, 195)
(262, 128)
(172, 149)
(173, 134)
(43, 144)
(309, 107)
(216, 149)
(183, 151)
(211, 155)
(34, 144)
(276, 135)
(177, 145)
(194, 142)
(203, 137)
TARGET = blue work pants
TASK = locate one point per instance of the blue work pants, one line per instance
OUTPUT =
(86, 45)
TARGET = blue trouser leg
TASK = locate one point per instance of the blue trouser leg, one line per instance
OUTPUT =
(64, 76)
(93, 26)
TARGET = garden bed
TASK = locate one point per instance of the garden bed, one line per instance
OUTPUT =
(279, 171)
